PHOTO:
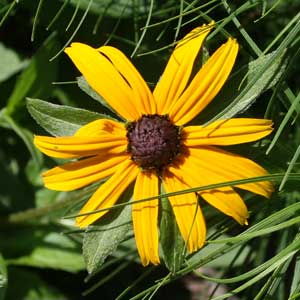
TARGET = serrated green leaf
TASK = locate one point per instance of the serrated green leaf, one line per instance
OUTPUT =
(263, 74)
(172, 244)
(10, 63)
(60, 120)
(102, 240)
(3, 278)
(36, 80)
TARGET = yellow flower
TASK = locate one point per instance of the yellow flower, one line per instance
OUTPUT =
(153, 146)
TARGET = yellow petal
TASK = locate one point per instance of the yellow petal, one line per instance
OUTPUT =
(108, 79)
(227, 132)
(143, 97)
(144, 217)
(187, 212)
(205, 85)
(78, 146)
(102, 126)
(217, 166)
(228, 202)
(178, 70)
(81, 173)
(108, 193)
(225, 199)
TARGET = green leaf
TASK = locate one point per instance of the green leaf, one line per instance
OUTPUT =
(173, 246)
(296, 276)
(3, 278)
(102, 240)
(117, 9)
(198, 259)
(33, 173)
(10, 63)
(60, 120)
(13, 183)
(222, 261)
(36, 80)
(258, 277)
(127, 250)
(52, 250)
(84, 86)
(27, 285)
(45, 197)
(275, 283)
(23, 133)
(263, 74)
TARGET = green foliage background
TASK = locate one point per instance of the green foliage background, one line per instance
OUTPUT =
(41, 254)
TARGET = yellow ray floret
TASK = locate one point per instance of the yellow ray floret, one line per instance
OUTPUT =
(205, 85)
(217, 166)
(144, 217)
(100, 136)
(108, 193)
(103, 127)
(178, 70)
(78, 174)
(228, 202)
(227, 132)
(130, 98)
(143, 96)
(78, 146)
(187, 212)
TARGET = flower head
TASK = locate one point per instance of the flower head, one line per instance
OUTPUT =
(153, 146)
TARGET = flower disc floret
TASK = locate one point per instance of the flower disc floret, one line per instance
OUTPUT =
(153, 141)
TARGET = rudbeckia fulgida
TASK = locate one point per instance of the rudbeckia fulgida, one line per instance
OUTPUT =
(153, 146)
